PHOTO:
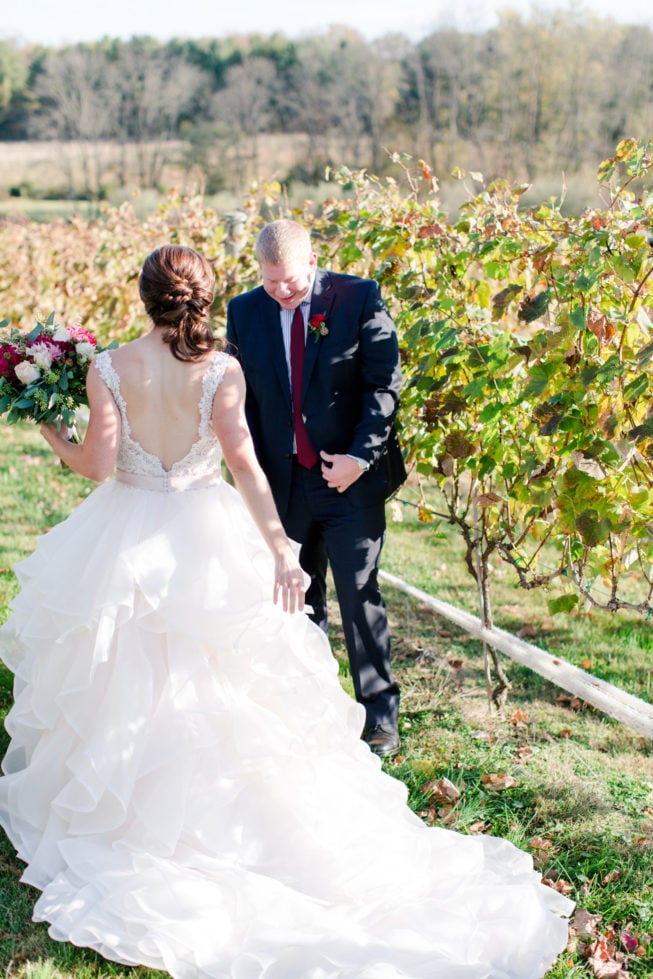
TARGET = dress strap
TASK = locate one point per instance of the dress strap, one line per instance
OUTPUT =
(110, 377)
(210, 383)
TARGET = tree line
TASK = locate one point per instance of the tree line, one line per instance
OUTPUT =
(550, 93)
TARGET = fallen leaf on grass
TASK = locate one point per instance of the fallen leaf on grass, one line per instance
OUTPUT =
(524, 752)
(428, 815)
(604, 960)
(574, 703)
(629, 941)
(519, 718)
(557, 883)
(447, 815)
(498, 782)
(539, 843)
(584, 923)
(477, 827)
(561, 886)
(565, 733)
(441, 791)
(612, 876)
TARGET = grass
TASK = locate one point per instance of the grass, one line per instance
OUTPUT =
(578, 789)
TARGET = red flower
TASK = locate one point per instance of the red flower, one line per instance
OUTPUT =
(317, 325)
(9, 357)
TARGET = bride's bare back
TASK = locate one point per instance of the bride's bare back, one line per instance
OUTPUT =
(162, 395)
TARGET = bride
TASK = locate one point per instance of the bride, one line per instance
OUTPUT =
(185, 781)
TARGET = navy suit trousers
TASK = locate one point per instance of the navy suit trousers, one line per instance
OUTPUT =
(351, 537)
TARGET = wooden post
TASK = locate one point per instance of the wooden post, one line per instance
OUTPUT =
(625, 707)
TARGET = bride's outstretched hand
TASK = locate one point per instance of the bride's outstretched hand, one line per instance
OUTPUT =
(289, 583)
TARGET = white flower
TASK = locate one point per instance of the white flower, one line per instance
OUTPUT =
(61, 334)
(27, 372)
(85, 350)
(41, 354)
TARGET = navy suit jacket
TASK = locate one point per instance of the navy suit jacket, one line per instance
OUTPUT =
(352, 379)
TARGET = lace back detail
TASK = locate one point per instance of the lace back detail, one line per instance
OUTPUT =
(108, 374)
(205, 455)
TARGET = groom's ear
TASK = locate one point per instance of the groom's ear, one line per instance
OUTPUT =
(313, 260)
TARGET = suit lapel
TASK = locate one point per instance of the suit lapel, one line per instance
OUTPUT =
(321, 301)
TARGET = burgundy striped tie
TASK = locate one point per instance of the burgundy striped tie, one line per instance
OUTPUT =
(305, 453)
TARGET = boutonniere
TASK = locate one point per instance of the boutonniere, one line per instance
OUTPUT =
(317, 325)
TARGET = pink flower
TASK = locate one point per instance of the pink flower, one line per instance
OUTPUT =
(44, 353)
(79, 334)
(44, 342)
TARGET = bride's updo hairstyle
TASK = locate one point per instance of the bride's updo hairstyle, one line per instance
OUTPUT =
(177, 287)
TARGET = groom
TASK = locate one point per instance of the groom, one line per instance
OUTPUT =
(321, 361)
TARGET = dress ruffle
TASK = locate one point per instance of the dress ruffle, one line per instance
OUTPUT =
(186, 781)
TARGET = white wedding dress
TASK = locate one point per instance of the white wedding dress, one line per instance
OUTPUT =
(186, 781)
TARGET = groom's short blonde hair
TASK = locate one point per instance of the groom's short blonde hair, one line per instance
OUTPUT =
(282, 241)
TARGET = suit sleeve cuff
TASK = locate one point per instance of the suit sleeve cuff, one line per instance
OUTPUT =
(364, 466)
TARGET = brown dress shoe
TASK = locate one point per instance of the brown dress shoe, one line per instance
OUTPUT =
(383, 741)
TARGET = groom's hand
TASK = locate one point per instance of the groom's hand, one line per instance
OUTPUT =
(339, 471)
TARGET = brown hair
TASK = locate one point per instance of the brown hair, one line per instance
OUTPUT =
(177, 286)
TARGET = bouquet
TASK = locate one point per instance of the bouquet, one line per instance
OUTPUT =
(43, 373)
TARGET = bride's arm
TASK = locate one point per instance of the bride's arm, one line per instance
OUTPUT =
(96, 456)
(231, 428)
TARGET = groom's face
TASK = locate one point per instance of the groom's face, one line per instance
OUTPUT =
(289, 282)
